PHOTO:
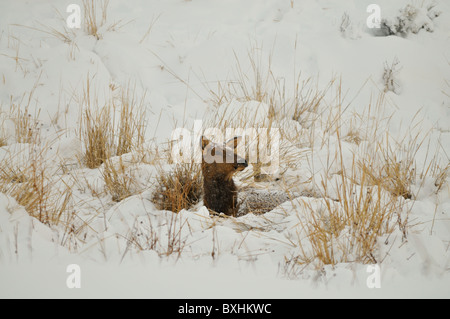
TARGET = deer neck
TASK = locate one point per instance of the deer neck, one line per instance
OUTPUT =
(220, 194)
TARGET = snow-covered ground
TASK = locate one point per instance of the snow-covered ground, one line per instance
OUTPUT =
(171, 54)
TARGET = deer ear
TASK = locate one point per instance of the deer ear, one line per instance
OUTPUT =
(205, 142)
(233, 143)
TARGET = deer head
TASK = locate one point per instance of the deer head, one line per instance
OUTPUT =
(221, 160)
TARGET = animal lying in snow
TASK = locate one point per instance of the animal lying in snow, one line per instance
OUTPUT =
(219, 163)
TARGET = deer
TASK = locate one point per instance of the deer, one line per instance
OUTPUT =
(220, 163)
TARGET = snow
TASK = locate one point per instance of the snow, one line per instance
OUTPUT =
(130, 248)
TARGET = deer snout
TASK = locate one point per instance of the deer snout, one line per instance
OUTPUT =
(241, 165)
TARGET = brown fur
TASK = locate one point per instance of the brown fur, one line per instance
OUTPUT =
(218, 168)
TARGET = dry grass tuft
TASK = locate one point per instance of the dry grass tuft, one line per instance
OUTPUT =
(179, 189)
(347, 229)
(95, 14)
(93, 20)
(3, 141)
(441, 177)
(3, 134)
(32, 188)
(26, 125)
(115, 129)
(165, 235)
(98, 136)
(118, 182)
(390, 75)
(392, 174)
(132, 123)
(364, 189)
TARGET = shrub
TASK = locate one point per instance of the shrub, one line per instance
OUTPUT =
(410, 20)
(390, 74)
